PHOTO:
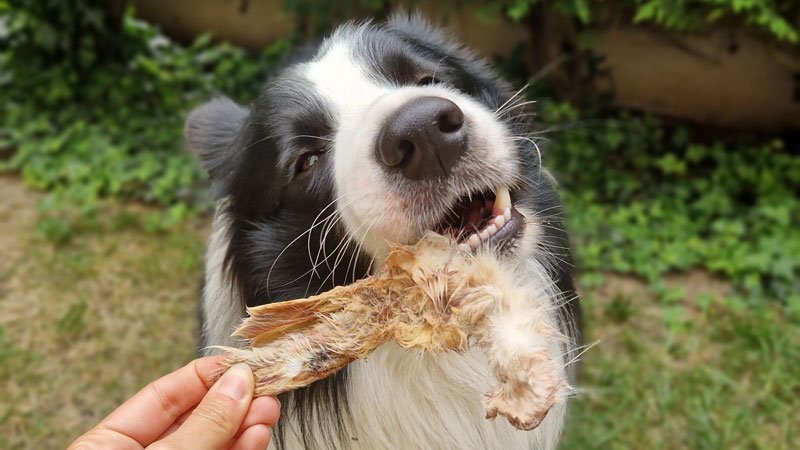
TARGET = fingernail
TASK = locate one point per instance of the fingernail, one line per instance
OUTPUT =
(236, 382)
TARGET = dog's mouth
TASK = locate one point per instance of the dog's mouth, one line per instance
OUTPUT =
(487, 218)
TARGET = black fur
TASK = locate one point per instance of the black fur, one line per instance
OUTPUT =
(252, 156)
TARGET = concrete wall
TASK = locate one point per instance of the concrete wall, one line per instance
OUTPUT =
(725, 78)
(252, 23)
(255, 23)
(728, 78)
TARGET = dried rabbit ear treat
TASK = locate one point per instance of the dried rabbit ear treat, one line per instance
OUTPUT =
(432, 296)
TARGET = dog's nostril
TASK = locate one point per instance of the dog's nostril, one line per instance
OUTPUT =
(406, 147)
(450, 121)
(394, 155)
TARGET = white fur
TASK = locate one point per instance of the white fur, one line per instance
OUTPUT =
(222, 308)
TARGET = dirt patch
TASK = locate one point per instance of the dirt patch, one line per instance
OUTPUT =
(17, 215)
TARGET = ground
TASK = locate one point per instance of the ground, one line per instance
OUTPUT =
(85, 324)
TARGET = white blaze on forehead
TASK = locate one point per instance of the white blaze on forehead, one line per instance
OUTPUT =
(338, 78)
(342, 81)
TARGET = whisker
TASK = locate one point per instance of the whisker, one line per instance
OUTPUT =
(536, 146)
(438, 63)
(311, 137)
(497, 111)
(340, 256)
(583, 349)
(551, 66)
(515, 106)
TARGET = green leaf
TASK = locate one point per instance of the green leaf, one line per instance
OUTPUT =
(519, 9)
(647, 11)
(583, 10)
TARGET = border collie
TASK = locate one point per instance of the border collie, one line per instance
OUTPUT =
(378, 134)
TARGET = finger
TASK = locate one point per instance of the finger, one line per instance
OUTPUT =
(217, 418)
(98, 439)
(253, 438)
(146, 415)
(175, 425)
(263, 410)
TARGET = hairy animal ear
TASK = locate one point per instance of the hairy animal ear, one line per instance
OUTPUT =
(212, 131)
(412, 24)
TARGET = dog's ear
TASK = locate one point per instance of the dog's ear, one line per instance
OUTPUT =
(212, 131)
(412, 25)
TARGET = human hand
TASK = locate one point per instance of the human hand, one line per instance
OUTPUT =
(179, 411)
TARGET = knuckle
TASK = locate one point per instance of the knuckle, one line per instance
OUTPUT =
(82, 445)
(166, 400)
(217, 413)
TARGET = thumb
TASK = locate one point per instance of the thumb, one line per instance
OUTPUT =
(217, 418)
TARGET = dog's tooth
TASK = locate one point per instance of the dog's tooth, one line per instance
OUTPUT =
(474, 240)
(502, 198)
(507, 214)
(491, 229)
(464, 247)
(484, 235)
(499, 221)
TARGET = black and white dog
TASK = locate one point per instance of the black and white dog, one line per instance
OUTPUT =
(379, 134)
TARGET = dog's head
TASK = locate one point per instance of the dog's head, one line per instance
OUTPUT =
(383, 133)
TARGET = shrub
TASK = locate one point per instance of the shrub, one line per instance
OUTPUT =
(646, 198)
(777, 18)
(94, 106)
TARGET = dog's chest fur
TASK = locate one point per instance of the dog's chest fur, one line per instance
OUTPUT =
(397, 398)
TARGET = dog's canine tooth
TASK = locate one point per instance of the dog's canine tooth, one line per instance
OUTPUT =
(502, 199)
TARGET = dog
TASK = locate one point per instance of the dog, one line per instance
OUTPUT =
(379, 134)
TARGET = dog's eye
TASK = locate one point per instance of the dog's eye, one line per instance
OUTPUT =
(428, 80)
(308, 160)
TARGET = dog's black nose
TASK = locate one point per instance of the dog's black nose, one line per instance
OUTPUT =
(423, 138)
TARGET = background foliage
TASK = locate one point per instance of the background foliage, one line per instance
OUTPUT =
(94, 106)
(774, 17)
(646, 198)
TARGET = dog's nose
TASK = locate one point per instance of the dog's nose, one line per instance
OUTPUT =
(423, 138)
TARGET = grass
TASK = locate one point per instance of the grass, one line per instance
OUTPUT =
(84, 325)
(691, 374)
